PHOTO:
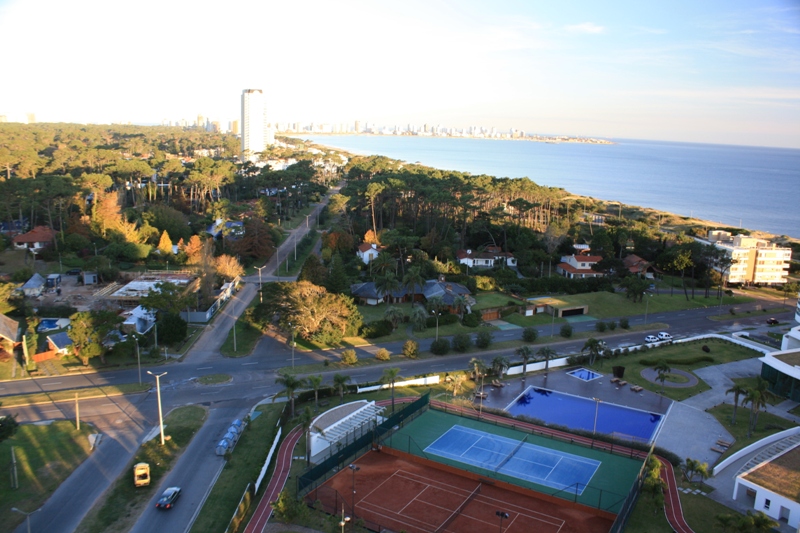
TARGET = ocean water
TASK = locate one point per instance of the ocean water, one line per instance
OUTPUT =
(752, 187)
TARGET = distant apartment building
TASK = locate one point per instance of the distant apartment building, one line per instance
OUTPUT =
(756, 261)
(254, 125)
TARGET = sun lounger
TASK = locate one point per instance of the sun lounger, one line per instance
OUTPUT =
(636, 388)
(614, 380)
(715, 449)
(481, 395)
(724, 443)
(623, 383)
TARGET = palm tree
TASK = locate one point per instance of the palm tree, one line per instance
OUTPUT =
(386, 285)
(456, 382)
(499, 365)
(390, 375)
(339, 381)
(477, 367)
(460, 305)
(412, 280)
(383, 262)
(546, 352)
(290, 384)
(524, 352)
(737, 391)
(757, 397)
(419, 317)
(305, 420)
(394, 315)
(595, 348)
(663, 369)
(314, 383)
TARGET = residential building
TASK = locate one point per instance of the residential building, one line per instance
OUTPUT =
(769, 486)
(367, 293)
(638, 266)
(488, 258)
(34, 286)
(782, 370)
(59, 343)
(791, 340)
(35, 240)
(579, 266)
(367, 252)
(9, 329)
(254, 124)
(755, 261)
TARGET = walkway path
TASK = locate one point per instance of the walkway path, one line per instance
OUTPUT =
(672, 500)
(283, 464)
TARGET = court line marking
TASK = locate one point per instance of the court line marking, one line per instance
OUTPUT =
(431, 483)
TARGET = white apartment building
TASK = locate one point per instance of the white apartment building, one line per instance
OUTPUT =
(756, 261)
(254, 124)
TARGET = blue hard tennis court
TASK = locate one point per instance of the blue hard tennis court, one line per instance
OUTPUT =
(514, 458)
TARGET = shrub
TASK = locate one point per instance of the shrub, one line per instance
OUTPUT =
(484, 339)
(22, 275)
(440, 346)
(706, 349)
(512, 302)
(508, 311)
(679, 361)
(382, 354)
(612, 325)
(443, 320)
(600, 326)
(623, 323)
(566, 331)
(411, 349)
(471, 320)
(349, 357)
(530, 334)
(732, 311)
(462, 342)
(375, 329)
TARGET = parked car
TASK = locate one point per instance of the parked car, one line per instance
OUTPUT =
(664, 336)
(73, 272)
(772, 321)
(651, 338)
(168, 498)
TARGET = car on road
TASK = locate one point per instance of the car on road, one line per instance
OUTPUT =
(168, 498)
(651, 338)
(772, 321)
(664, 336)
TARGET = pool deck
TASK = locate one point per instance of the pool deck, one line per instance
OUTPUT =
(559, 380)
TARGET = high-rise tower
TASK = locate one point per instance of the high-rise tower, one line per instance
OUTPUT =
(253, 124)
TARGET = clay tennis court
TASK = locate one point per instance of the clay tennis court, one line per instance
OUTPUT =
(404, 493)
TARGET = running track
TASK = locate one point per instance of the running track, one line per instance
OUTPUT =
(672, 502)
(283, 463)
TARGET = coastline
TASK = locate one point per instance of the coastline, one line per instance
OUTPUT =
(672, 222)
(548, 139)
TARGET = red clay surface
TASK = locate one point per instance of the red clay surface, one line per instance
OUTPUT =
(397, 494)
(283, 464)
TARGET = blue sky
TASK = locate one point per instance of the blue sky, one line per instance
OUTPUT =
(711, 71)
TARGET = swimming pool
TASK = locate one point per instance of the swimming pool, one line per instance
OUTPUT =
(575, 412)
(49, 324)
(584, 375)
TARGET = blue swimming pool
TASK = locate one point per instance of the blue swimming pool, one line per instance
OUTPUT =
(575, 412)
(48, 323)
(584, 375)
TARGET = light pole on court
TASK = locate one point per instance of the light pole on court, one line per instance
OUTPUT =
(503, 516)
(355, 469)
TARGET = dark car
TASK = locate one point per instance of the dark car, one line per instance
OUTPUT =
(74, 272)
(772, 321)
(168, 498)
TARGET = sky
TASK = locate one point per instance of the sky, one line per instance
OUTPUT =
(724, 72)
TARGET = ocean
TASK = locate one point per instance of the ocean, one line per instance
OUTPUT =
(739, 186)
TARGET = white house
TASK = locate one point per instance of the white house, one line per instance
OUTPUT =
(34, 286)
(35, 240)
(579, 266)
(490, 257)
(772, 494)
(367, 252)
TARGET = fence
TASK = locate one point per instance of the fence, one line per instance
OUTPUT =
(319, 473)
(267, 461)
(241, 510)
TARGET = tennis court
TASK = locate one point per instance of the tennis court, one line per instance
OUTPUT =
(516, 458)
(398, 494)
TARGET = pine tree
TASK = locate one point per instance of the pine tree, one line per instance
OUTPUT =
(165, 245)
(337, 282)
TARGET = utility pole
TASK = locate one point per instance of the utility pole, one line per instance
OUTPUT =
(77, 413)
(160, 412)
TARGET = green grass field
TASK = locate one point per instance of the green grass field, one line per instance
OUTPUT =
(607, 305)
(486, 300)
(46, 456)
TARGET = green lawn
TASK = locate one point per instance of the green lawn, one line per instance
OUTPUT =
(123, 503)
(243, 466)
(768, 424)
(721, 352)
(699, 511)
(84, 393)
(607, 305)
(46, 456)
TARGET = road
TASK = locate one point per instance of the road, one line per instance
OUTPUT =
(125, 420)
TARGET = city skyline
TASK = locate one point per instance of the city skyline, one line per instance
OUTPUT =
(718, 72)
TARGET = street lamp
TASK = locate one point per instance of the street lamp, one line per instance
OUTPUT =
(293, 343)
(646, 306)
(503, 516)
(596, 409)
(344, 520)
(158, 393)
(260, 294)
(436, 312)
(138, 359)
(355, 469)
(27, 516)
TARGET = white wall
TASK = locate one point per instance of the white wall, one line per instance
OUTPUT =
(776, 501)
(426, 380)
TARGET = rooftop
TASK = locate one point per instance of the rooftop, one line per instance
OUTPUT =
(142, 286)
(780, 475)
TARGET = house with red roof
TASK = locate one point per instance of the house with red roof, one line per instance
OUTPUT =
(35, 240)
(578, 266)
(488, 258)
(367, 252)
